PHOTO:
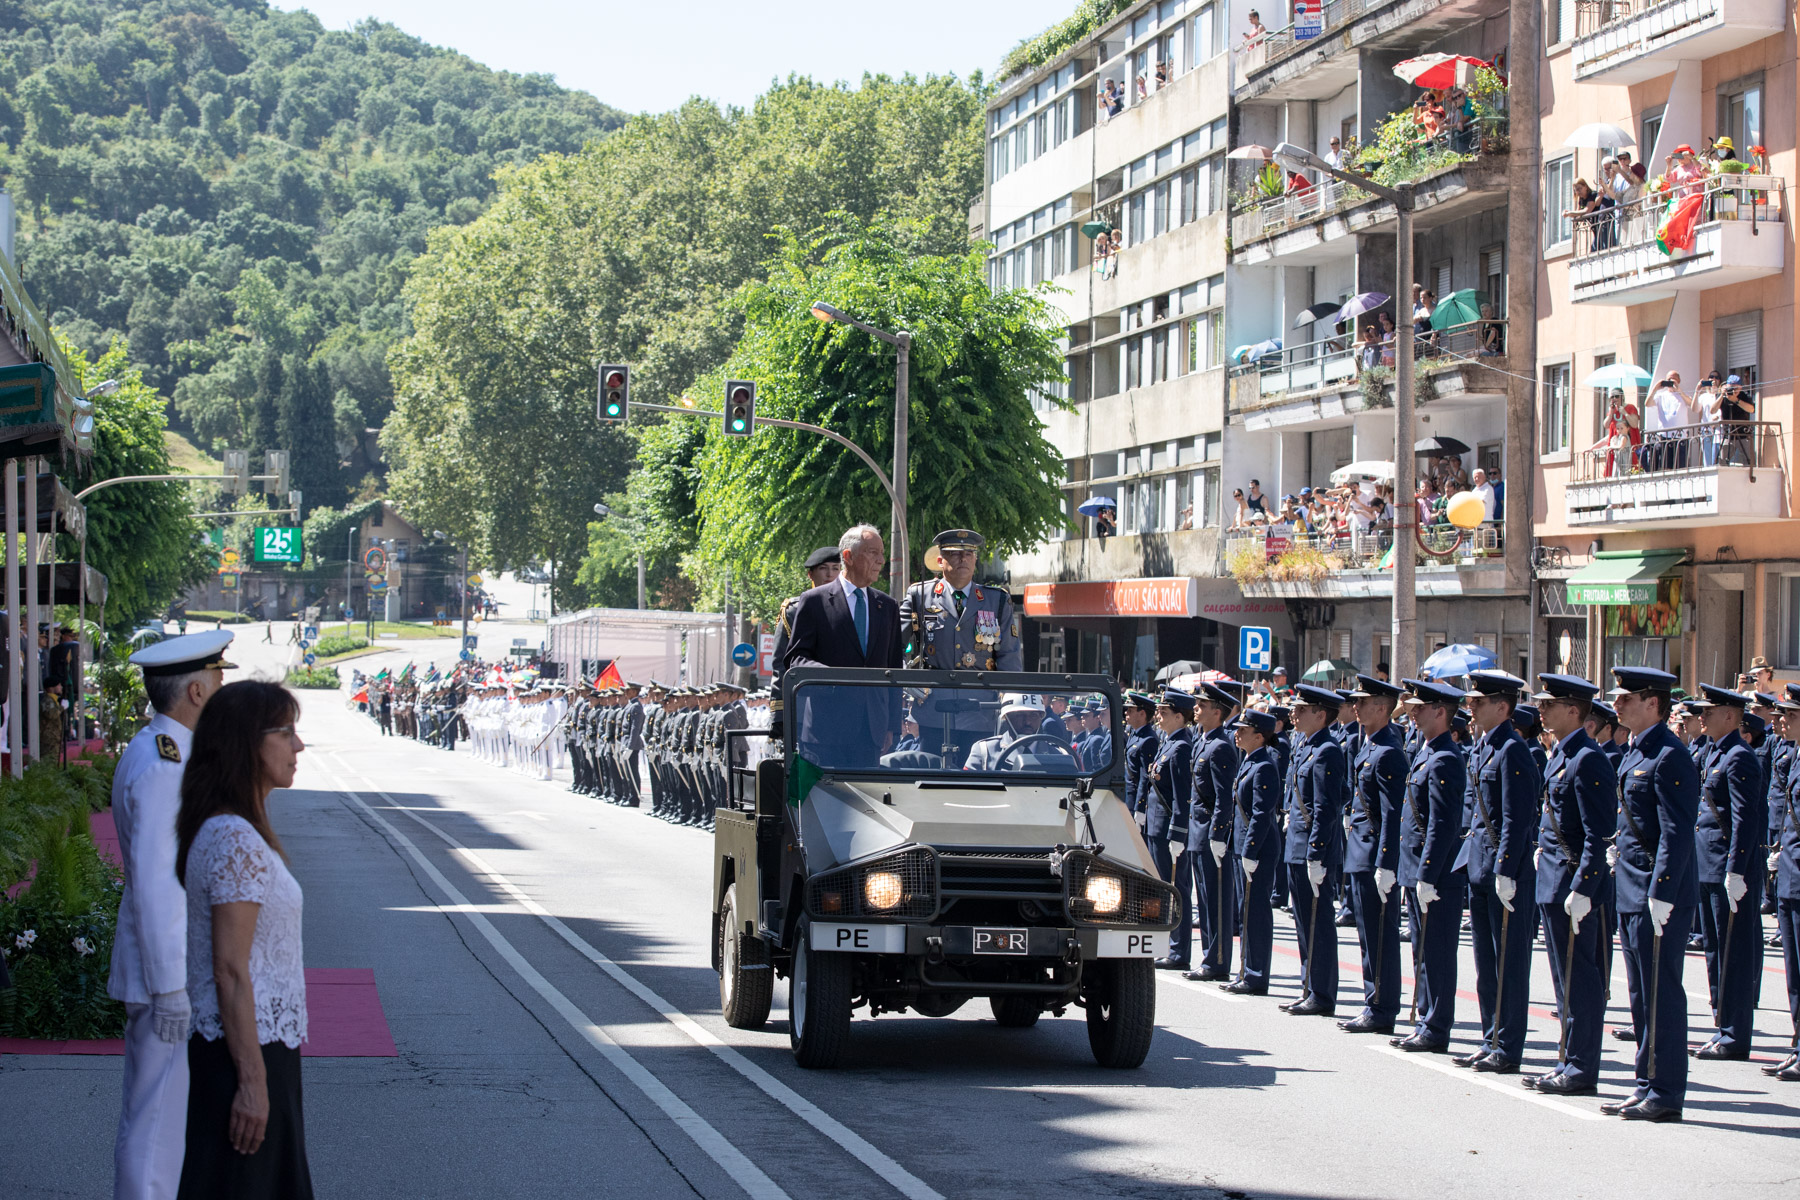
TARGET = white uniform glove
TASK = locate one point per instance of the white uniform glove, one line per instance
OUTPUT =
(1612, 856)
(1577, 906)
(1143, 820)
(1735, 887)
(1426, 894)
(169, 1014)
(1249, 867)
(1218, 851)
(1505, 888)
(1659, 914)
(1774, 860)
(1384, 882)
(1537, 859)
(1315, 874)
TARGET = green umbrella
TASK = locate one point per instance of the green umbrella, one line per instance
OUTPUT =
(1458, 308)
(1091, 229)
(1328, 668)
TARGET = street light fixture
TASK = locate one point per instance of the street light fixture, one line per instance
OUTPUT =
(1405, 649)
(900, 564)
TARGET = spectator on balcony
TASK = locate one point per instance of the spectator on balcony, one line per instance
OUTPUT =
(1240, 517)
(1621, 435)
(1683, 171)
(1667, 426)
(1451, 475)
(1485, 490)
(1737, 408)
(1424, 305)
(1386, 320)
(1492, 334)
(1708, 395)
(1164, 69)
(1106, 524)
(1256, 34)
(1256, 502)
(1370, 356)
(1334, 157)
(1459, 118)
(1112, 100)
(1143, 87)
(1586, 213)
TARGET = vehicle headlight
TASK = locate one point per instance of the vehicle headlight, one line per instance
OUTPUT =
(883, 890)
(1106, 893)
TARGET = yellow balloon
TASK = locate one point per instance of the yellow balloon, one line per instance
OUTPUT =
(1466, 510)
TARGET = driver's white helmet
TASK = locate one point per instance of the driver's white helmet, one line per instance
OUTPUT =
(1019, 702)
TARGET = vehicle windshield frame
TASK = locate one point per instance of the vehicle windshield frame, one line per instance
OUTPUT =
(798, 678)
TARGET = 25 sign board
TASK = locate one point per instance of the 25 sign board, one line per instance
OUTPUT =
(279, 544)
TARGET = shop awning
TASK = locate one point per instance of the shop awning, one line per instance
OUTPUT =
(1622, 576)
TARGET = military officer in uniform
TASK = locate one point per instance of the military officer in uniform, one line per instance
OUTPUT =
(1140, 749)
(1209, 833)
(1784, 861)
(1256, 803)
(822, 566)
(1171, 794)
(1729, 837)
(149, 960)
(1430, 832)
(631, 743)
(952, 623)
(1580, 817)
(1502, 880)
(1315, 803)
(1658, 889)
(1372, 852)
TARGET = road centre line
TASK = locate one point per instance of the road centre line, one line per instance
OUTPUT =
(1468, 1075)
(732, 1160)
(898, 1177)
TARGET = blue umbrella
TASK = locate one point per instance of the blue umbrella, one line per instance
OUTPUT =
(1257, 351)
(1457, 660)
(1093, 504)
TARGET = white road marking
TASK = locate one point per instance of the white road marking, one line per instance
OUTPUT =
(902, 1180)
(1512, 1090)
(1205, 989)
(732, 1160)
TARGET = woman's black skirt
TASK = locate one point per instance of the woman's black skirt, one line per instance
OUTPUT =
(212, 1169)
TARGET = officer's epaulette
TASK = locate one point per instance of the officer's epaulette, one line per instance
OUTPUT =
(166, 748)
(785, 605)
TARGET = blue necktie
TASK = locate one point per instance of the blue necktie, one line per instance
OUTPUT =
(861, 615)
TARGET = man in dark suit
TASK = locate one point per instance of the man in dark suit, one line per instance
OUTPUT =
(847, 623)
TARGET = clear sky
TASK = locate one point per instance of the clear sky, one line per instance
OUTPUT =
(650, 56)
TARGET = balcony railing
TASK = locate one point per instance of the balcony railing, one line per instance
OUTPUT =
(1756, 199)
(1279, 554)
(1277, 44)
(1753, 444)
(1338, 361)
(1628, 41)
(1591, 16)
(1280, 213)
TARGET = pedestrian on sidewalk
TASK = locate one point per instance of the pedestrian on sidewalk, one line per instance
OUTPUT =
(246, 1133)
(149, 973)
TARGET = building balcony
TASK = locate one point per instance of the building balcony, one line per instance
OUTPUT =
(1286, 65)
(1742, 235)
(1186, 552)
(1702, 475)
(1276, 563)
(1322, 384)
(1622, 42)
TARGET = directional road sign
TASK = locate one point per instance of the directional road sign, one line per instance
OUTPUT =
(743, 654)
(1256, 648)
(311, 659)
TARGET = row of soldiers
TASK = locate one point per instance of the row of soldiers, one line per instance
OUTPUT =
(425, 712)
(1604, 842)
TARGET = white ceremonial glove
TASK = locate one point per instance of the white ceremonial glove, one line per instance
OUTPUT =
(1775, 860)
(1612, 856)
(1384, 882)
(1735, 887)
(1426, 894)
(1659, 914)
(169, 1015)
(1249, 867)
(1506, 888)
(1218, 852)
(1143, 820)
(1315, 874)
(1577, 906)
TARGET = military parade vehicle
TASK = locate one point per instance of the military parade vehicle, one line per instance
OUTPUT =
(996, 863)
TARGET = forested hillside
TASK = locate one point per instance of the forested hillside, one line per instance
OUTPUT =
(240, 193)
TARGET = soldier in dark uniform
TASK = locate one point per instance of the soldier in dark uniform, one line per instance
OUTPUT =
(1502, 880)
(1657, 889)
(1580, 816)
(1782, 765)
(1372, 853)
(822, 567)
(1216, 760)
(574, 733)
(1256, 799)
(1784, 862)
(952, 623)
(653, 723)
(1730, 836)
(1171, 794)
(1315, 803)
(631, 747)
(1430, 832)
(1140, 748)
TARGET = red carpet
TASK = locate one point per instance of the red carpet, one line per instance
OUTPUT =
(343, 1019)
(106, 836)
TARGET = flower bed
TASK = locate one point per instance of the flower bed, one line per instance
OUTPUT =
(313, 677)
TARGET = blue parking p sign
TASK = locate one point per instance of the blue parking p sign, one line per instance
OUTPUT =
(1256, 648)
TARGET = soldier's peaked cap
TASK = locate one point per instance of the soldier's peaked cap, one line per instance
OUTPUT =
(1219, 695)
(1369, 686)
(1717, 697)
(1642, 679)
(823, 555)
(1317, 696)
(1429, 691)
(1261, 722)
(186, 653)
(959, 539)
(1494, 683)
(1565, 687)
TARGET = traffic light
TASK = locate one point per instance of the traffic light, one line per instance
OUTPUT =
(615, 393)
(237, 465)
(740, 408)
(275, 462)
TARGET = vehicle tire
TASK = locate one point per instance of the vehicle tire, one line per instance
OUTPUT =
(746, 981)
(1015, 1012)
(1121, 1011)
(818, 1003)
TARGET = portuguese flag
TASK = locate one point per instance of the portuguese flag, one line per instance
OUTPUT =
(1677, 230)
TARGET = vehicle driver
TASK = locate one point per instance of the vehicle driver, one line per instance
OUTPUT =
(1020, 716)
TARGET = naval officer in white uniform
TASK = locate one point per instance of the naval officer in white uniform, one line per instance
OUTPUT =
(149, 962)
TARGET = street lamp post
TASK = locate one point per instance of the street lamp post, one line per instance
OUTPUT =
(636, 530)
(1405, 650)
(901, 562)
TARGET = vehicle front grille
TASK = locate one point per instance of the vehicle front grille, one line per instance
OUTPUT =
(994, 874)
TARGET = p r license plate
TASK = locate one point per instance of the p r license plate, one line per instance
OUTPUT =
(1001, 941)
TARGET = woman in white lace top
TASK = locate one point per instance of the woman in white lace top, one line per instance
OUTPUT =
(245, 1129)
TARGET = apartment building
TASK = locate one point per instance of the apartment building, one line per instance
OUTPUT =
(1675, 548)
(1126, 134)
(1309, 399)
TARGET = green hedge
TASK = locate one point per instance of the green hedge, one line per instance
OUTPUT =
(313, 677)
(334, 644)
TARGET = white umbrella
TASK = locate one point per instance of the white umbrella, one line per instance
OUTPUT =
(1379, 471)
(1617, 375)
(1599, 135)
(1252, 151)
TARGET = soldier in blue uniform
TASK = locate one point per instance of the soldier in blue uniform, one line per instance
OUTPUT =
(1784, 862)
(1657, 889)
(1283, 747)
(1097, 718)
(1171, 792)
(1430, 829)
(1784, 765)
(1580, 815)
(1316, 799)
(1209, 826)
(1256, 799)
(1140, 748)
(1730, 839)
(1372, 852)
(1529, 725)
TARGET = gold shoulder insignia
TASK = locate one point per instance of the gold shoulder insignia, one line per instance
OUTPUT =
(166, 748)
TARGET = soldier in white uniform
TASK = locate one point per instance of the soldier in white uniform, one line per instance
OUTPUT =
(149, 962)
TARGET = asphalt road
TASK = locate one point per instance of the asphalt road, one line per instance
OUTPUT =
(542, 959)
